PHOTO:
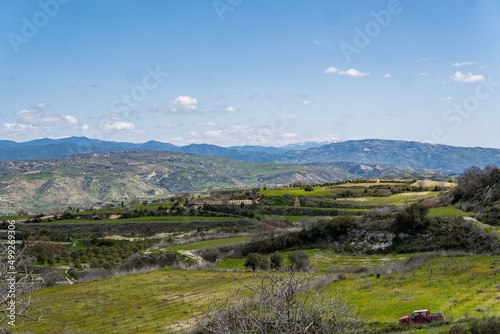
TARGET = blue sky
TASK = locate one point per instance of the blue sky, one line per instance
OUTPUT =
(251, 72)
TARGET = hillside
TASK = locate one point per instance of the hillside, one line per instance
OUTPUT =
(478, 191)
(398, 153)
(90, 178)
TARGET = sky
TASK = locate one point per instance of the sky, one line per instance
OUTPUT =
(251, 72)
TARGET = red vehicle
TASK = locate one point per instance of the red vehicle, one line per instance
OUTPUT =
(421, 317)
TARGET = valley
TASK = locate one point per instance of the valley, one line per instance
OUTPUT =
(349, 231)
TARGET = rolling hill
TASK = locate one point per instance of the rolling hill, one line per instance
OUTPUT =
(90, 178)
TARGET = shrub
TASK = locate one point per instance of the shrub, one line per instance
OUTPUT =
(412, 219)
(282, 303)
(41, 259)
(256, 261)
(309, 188)
(51, 277)
(276, 260)
(211, 254)
(160, 260)
(299, 260)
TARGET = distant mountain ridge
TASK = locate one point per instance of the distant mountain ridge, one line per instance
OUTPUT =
(55, 148)
(449, 159)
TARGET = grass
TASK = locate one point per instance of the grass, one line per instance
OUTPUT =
(443, 284)
(208, 244)
(398, 199)
(144, 219)
(162, 301)
(319, 208)
(289, 218)
(449, 211)
(323, 260)
(295, 192)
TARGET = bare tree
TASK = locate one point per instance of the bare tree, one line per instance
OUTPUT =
(16, 287)
(282, 303)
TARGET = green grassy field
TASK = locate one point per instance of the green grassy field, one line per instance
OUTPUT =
(164, 301)
(449, 211)
(296, 192)
(323, 260)
(319, 208)
(457, 286)
(398, 199)
(144, 219)
(209, 243)
(289, 218)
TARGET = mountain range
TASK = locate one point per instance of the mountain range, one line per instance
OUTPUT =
(448, 159)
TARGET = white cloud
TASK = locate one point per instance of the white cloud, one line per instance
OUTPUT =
(306, 102)
(446, 98)
(464, 63)
(183, 105)
(170, 125)
(271, 137)
(225, 109)
(350, 72)
(316, 42)
(331, 70)
(16, 127)
(187, 102)
(354, 73)
(85, 127)
(41, 106)
(39, 117)
(70, 120)
(424, 73)
(387, 75)
(119, 126)
(206, 124)
(467, 78)
(426, 59)
(191, 133)
(230, 109)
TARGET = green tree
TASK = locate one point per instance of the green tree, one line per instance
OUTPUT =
(41, 259)
(75, 255)
(256, 261)
(299, 260)
(309, 188)
(413, 219)
(276, 260)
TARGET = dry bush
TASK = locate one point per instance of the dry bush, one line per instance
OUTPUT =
(412, 263)
(282, 303)
(93, 274)
(19, 286)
